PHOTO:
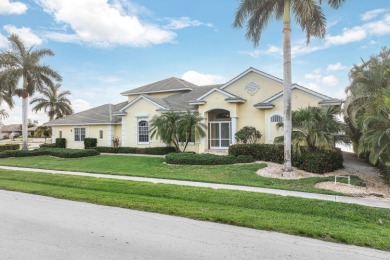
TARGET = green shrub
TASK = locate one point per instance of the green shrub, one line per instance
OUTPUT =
(90, 143)
(248, 135)
(320, 161)
(8, 147)
(56, 152)
(60, 143)
(48, 146)
(205, 159)
(261, 152)
(134, 150)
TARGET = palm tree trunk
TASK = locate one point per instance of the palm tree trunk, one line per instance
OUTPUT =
(24, 121)
(287, 85)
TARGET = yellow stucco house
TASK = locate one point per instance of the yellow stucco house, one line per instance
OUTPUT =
(253, 98)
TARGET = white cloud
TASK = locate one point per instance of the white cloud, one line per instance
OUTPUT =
(185, 22)
(202, 79)
(335, 67)
(7, 7)
(15, 115)
(354, 34)
(85, 19)
(313, 76)
(3, 41)
(372, 14)
(330, 80)
(25, 34)
(79, 105)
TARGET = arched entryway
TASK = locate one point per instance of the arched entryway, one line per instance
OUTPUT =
(219, 129)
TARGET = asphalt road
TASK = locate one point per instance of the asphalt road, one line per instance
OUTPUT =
(37, 227)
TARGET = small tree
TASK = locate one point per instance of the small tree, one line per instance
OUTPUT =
(248, 135)
(191, 127)
(115, 142)
(43, 132)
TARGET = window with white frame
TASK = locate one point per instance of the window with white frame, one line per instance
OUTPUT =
(276, 119)
(143, 131)
(60, 134)
(79, 134)
(101, 134)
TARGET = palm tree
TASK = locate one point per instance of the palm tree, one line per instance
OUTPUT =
(24, 64)
(314, 128)
(53, 102)
(178, 127)
(165, 126)
(3, 114)
(191, 127)
(310, 17)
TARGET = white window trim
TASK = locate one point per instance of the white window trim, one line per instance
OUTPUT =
(269, 124)
(74, 134)
(139, 119)
(101, 137)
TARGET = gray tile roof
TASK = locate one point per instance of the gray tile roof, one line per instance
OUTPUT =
(11, 128)
(97, 115)
(166, 85)
(331, 101)
(262, 104)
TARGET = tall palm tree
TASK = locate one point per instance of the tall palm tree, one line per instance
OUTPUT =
(53, 102)
(24, 64)
(310, 17)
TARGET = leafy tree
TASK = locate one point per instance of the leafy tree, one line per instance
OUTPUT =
(43, 132)
(248, 135)
(256, 14)
(314, 128)
(54, 103)
(25, 64)
(31, 123)
(174, 127)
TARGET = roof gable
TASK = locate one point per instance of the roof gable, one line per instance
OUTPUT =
(155, 101)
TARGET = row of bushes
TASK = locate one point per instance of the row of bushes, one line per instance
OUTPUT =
(56, 152)
(60, 143)
(206, 159)
(134, 150)
(319, 161)
(8, 147)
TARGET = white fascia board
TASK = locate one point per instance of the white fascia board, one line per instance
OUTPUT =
(155, 91)
(309, 91)
(249, 71)
(263, 107)
(212, 91)
(80, 124)
(137, 99)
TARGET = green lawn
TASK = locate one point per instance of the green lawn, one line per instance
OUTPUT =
(154, 167)
(338, 222)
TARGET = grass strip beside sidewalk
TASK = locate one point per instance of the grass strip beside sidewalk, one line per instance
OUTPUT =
(337, 222)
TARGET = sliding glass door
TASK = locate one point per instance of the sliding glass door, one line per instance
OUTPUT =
(219, 134)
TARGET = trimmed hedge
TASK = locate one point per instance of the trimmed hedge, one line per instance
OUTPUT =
(206, 159)
(262, 152)
(48, 146)
(8, 147)
(60, 143)
(148, 150)
(320, 161)
(90, 143)
(56, 152)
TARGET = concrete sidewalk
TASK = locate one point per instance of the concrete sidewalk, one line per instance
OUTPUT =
(344, 199)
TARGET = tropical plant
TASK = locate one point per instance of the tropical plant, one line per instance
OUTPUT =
(177, 127)
(23, 64)
(248, 135)
(256, 14)
(53, 102)
(43, 132)
(3, 114)
(375, 140)
(314, 128)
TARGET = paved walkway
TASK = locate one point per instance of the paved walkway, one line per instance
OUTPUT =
(345, 199)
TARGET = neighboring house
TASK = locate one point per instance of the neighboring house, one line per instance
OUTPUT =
(9, 131)
(253, 98)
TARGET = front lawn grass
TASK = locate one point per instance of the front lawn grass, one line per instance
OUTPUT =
(155, 168)
(330, 221)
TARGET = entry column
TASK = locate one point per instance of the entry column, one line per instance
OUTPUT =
(234, 128)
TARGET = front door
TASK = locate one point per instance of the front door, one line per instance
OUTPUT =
(219, 135)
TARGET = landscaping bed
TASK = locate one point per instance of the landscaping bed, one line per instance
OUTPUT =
(56, 152)
(135, 150)
(206, 159)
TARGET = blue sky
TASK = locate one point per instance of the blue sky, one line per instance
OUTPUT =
(104, 47)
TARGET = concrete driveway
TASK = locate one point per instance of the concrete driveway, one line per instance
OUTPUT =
(37, 227)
